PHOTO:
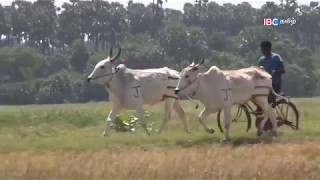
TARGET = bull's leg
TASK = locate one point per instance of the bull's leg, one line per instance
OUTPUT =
(142, 119)
(177, 107)
(167, 113)
(227, 122)
(260, 101)
(111, 117)
(273, 119)
(202, 118)
(262, 123)
(268, 113)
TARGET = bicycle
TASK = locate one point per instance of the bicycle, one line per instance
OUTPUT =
(286, 114)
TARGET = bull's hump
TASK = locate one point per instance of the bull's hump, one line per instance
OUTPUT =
(155, 70)
(253, 72)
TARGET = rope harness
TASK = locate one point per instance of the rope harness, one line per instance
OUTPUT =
(190, 96)
(105, 75)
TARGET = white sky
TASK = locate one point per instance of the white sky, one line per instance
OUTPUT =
(177, 4)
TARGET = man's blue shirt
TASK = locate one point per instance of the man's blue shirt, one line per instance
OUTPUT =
(270, 64)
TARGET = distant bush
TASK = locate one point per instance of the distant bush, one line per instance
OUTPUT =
(84, 91)
(55, 89)
(54, 63)
(19, 63)
(18, 93)
(80, 56)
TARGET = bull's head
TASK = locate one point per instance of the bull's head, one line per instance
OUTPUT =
(104, 69)
(188, 77)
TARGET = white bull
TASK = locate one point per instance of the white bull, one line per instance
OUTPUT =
(219, 90)
(131, 89)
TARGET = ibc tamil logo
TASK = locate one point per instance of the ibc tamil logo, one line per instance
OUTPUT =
(277, 22)
(270, 22)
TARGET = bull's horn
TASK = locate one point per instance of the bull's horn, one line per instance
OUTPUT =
(116, 56)
(201, 62)
(110, 53)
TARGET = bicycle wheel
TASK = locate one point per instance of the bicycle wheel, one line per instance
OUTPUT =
(242, 115)
(287, 114)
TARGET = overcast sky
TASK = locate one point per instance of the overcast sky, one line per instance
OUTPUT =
(176, 4)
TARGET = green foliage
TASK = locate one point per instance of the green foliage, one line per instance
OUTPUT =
(315, 59)
(141, 44)
(182, 42)
(129, 123)
(18, 93)
(218, 41)
(19, 63)
(96, 57)
(43, 23)
(80, 56)
(141, 51)
(174, 41)
(56, 89)
(249, 39)
(5, 22)
(82, 91)
(73, 38)
(226, 60)
(296, 79)
(54, 63)
(125, 123)
(140, 18)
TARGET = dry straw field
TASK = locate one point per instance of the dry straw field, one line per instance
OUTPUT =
(65, 142)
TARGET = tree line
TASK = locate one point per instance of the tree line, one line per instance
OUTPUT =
(46, 51)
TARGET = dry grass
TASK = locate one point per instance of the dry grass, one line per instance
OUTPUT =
(257, 161)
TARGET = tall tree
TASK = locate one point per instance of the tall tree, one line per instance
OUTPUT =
(80, 56)
(139, 18)
(118, 27)
(158, 16)
(69, 24)
(21, 15)
(183, 43)
(43, 24)
(5, 24)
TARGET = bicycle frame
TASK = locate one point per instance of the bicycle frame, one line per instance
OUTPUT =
(280, 113)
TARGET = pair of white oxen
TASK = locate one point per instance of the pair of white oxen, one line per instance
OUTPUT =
(216, 89)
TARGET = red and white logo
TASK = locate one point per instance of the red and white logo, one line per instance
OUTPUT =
(270, 22)
(267, 21)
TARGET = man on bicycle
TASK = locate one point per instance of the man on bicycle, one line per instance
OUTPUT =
(272, 63)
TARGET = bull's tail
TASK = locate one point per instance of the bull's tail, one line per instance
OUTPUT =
(279, 95)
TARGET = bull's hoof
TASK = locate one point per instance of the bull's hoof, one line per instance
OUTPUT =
(105, 133)
(148, 133)
(275, 139)
(188, 131)
(275, 133)
(160, 131)
(210, 131)
(224, 140)
(259, 133)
